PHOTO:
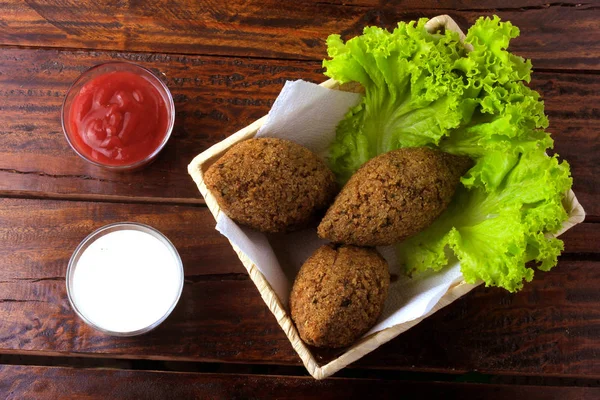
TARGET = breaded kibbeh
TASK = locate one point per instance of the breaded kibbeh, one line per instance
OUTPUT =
(338, 294)
(393, 196)
(272, 185)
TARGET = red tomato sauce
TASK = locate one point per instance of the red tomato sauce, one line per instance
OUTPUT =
(118, 118)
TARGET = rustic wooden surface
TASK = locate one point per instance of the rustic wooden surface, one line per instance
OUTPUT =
(555, 35)
(39, 383)
(225, 63)
(553, 319)
(214, 97)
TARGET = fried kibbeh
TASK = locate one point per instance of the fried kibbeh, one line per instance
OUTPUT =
(339, 294)
(272, 185)
(393, 196)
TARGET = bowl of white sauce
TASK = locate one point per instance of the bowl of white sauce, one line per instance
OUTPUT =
(124, 279)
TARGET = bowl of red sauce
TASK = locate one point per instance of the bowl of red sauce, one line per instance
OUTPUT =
(118, 116)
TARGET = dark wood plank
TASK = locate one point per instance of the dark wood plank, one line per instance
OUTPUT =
(28, 382)
(582, 239)
(214, 98)
(220, 315)
(572, 103)
(555, 35)
(37, 237)
(551, 327)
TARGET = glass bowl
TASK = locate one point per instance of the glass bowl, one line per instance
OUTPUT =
(111, 295)
(106, 68)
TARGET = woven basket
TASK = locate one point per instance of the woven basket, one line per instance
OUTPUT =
(200, 164)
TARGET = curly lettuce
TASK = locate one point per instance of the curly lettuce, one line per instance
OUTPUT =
(412, 98)
(429, 89)
(495, 234)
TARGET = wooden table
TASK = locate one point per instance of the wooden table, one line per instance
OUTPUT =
(225, 62)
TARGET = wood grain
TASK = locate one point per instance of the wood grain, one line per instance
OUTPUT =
(554, 35)
(39, 383)
(551, 327)
(572, 103)
(214, 98)
(37, 237)
(23, 383)
(540, 330)
(582, 240)
(225, 63)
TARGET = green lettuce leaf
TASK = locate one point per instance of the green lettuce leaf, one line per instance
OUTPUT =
(424, 89)
(494, 234)
(412, 98)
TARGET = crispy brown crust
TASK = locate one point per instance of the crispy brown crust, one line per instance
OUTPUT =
(272, 185)
(338, 295)
(393, 196)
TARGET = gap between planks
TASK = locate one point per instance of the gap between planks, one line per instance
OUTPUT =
(102, 198)
(170, 53)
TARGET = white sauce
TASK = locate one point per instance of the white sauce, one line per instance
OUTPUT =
(126, 280)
